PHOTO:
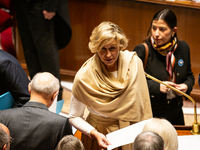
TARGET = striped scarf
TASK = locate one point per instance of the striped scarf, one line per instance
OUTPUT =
(168, 50)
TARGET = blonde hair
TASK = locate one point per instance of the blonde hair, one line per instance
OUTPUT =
(104, 34)
(165, 129)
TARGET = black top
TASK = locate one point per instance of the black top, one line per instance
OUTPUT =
(156, 67)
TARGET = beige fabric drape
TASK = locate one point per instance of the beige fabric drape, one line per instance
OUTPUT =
(125, 98)
(104, 125)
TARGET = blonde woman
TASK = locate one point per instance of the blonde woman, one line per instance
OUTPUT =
(112, 85)
(165, 129)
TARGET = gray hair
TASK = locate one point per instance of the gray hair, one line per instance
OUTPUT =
(148, 141)
(4, 137)
(70, 142)
(45, 84)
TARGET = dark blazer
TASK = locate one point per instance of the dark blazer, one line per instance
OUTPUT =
(13, 78)
(34, 127)
(156, 66)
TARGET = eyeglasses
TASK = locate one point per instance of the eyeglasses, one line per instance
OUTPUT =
(11, 140)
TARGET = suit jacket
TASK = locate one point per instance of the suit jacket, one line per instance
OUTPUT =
(34, 127)
(13, 78)
(156, 66)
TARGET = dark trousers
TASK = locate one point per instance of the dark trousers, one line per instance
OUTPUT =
(38, 39)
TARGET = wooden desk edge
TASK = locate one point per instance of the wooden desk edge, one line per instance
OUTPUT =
(183, 130)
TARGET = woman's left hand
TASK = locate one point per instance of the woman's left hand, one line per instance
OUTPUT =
(182, 87)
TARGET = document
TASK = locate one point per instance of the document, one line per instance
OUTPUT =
(128, 134)
(125, 136)
(189, 142)
(6, 101)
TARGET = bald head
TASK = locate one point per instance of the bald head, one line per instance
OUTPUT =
(44, 84)
(5, 128)
(148, 141)
(4, 137)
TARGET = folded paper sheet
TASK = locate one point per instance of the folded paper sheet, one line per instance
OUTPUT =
(189, 142)
(125, 136)
(128, 134)
(6, 101)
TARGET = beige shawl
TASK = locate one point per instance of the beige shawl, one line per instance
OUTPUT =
(124, 98)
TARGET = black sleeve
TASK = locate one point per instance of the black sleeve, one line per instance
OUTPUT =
(140, 50)
(17, 82)
(154, 87)
(190, 77)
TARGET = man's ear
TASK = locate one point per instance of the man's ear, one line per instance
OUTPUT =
(54, 95)
(4, 147)
(29, 88)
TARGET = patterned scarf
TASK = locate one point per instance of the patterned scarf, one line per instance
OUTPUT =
(168, 50)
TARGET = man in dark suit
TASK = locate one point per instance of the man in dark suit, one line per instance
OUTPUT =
(44, 28)
(33, 126)
(13, 79)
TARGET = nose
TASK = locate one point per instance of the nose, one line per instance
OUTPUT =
(108, 54)
(157, 32)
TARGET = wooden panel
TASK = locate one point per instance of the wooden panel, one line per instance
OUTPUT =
(134, 18)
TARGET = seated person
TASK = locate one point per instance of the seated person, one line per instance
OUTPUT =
(148, 141)
(13, 79)
(33, 126)
(4, 137)
(70, 142)
(165, 129)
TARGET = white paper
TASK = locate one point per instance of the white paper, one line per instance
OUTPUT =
(189, 142)
(126, 135)
(52, 108)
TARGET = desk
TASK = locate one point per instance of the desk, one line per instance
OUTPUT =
(183, 130)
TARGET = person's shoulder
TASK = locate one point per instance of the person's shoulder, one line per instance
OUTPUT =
(6, 58)
(183, 45)
(138, 47)
(182, 42)
(8, 113)
(57, 117)
(6, 55)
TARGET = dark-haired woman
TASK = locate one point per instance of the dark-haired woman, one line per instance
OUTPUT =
(169, 61)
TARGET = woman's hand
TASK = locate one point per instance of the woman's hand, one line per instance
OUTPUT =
(101, 139)
(182, 87)
(48, 15)
(165, 89)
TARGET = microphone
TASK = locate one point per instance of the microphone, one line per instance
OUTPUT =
(195, 125)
